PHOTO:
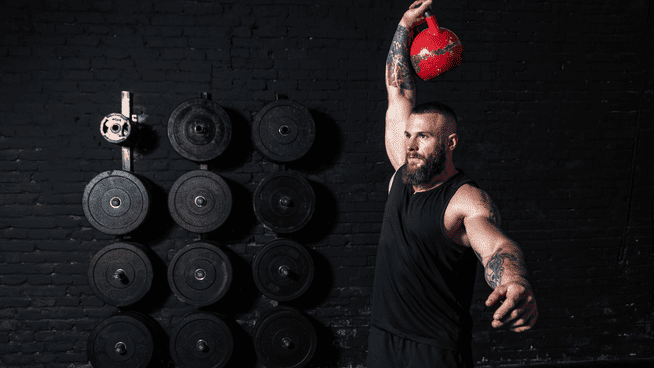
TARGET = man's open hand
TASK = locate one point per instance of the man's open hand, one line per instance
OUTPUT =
(518, 311)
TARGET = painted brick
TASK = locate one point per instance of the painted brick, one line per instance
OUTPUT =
(552, 125)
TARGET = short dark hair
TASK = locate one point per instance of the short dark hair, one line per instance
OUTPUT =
(435, 107)
(438, 108)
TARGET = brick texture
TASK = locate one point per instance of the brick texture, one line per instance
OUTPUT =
(555, 101)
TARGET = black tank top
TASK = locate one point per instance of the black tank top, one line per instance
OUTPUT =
(423, 281)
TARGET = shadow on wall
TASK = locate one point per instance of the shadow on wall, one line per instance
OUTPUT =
(326, 146)
(239, 148)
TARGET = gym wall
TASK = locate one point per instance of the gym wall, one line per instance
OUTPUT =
(555, 105)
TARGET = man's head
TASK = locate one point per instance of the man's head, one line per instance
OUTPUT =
(430, 138)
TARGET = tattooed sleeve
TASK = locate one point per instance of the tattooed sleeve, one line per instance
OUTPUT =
(505, 262)
(398, 68)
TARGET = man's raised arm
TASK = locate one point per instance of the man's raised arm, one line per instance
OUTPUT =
(400, 84)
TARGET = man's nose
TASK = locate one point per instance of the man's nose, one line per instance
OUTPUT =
(411, 144)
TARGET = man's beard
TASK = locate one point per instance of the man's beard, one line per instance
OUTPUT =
(434, 165)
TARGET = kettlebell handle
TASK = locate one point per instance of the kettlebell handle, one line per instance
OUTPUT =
(431, 21)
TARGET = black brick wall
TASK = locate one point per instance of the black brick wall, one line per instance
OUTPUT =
(555, 101)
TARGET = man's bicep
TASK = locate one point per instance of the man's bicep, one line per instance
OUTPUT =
(482, 224)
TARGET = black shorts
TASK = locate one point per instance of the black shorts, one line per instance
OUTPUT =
(386, 350)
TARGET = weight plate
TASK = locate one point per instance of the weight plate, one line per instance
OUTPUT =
(199, 129)
(125, 340)
(283, 270)
(284, 338)
(284, 202)
(116, 202)
(117, 129)
(201, 340)
(200, 274)
(283, 131)
(120, 274)
(200, 201)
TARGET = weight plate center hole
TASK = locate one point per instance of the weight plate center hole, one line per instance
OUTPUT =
(121, 276)
(114, 202)
(202, 345)
(284, 130)
(287, 343)
(121, 348)
(285, 202)
(200, 201)
(200, 274)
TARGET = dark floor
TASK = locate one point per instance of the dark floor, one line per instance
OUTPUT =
(595, 364)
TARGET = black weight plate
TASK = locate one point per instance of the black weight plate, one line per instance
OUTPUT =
(199, 129)
(283, 131)
(283, 270)
(200, 274)
(201, 340)
(284, 202)
(116, 202)
(120, 274)
(200, 201)
(284, 338)
(125, 340)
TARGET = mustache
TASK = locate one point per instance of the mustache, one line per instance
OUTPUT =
(415, 155)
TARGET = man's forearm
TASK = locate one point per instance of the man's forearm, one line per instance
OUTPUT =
(506, 265)
(398, 68)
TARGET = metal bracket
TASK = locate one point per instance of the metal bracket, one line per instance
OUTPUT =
(126, 110)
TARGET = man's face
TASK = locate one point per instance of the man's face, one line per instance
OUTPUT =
(425, 148)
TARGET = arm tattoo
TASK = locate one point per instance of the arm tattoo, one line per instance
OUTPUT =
(503, 261)
(398, 70)
(494, 211)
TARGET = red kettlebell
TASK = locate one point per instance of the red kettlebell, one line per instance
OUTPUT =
(435, 50)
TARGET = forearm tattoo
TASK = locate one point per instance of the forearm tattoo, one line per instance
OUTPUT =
(503, 262)
(398, 68)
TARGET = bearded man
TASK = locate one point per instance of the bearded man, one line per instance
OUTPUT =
(437, 225)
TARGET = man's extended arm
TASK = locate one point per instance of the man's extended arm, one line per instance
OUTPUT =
(504, 265)
(400, 83)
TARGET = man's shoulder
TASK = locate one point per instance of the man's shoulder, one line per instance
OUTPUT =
(469, 200)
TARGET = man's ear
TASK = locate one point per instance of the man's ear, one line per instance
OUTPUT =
(452, 141)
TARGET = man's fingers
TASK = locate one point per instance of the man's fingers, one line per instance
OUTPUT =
(495, 296)
(422, 8)
(512, 301)
(518, 311)
(415, 15)
(515, 318)
(525, 318)
(505, 308)
(419, 3)
(522, 329)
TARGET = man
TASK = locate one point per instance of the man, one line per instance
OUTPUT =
(437, 222)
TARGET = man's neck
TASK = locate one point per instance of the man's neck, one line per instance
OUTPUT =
(437, 180)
